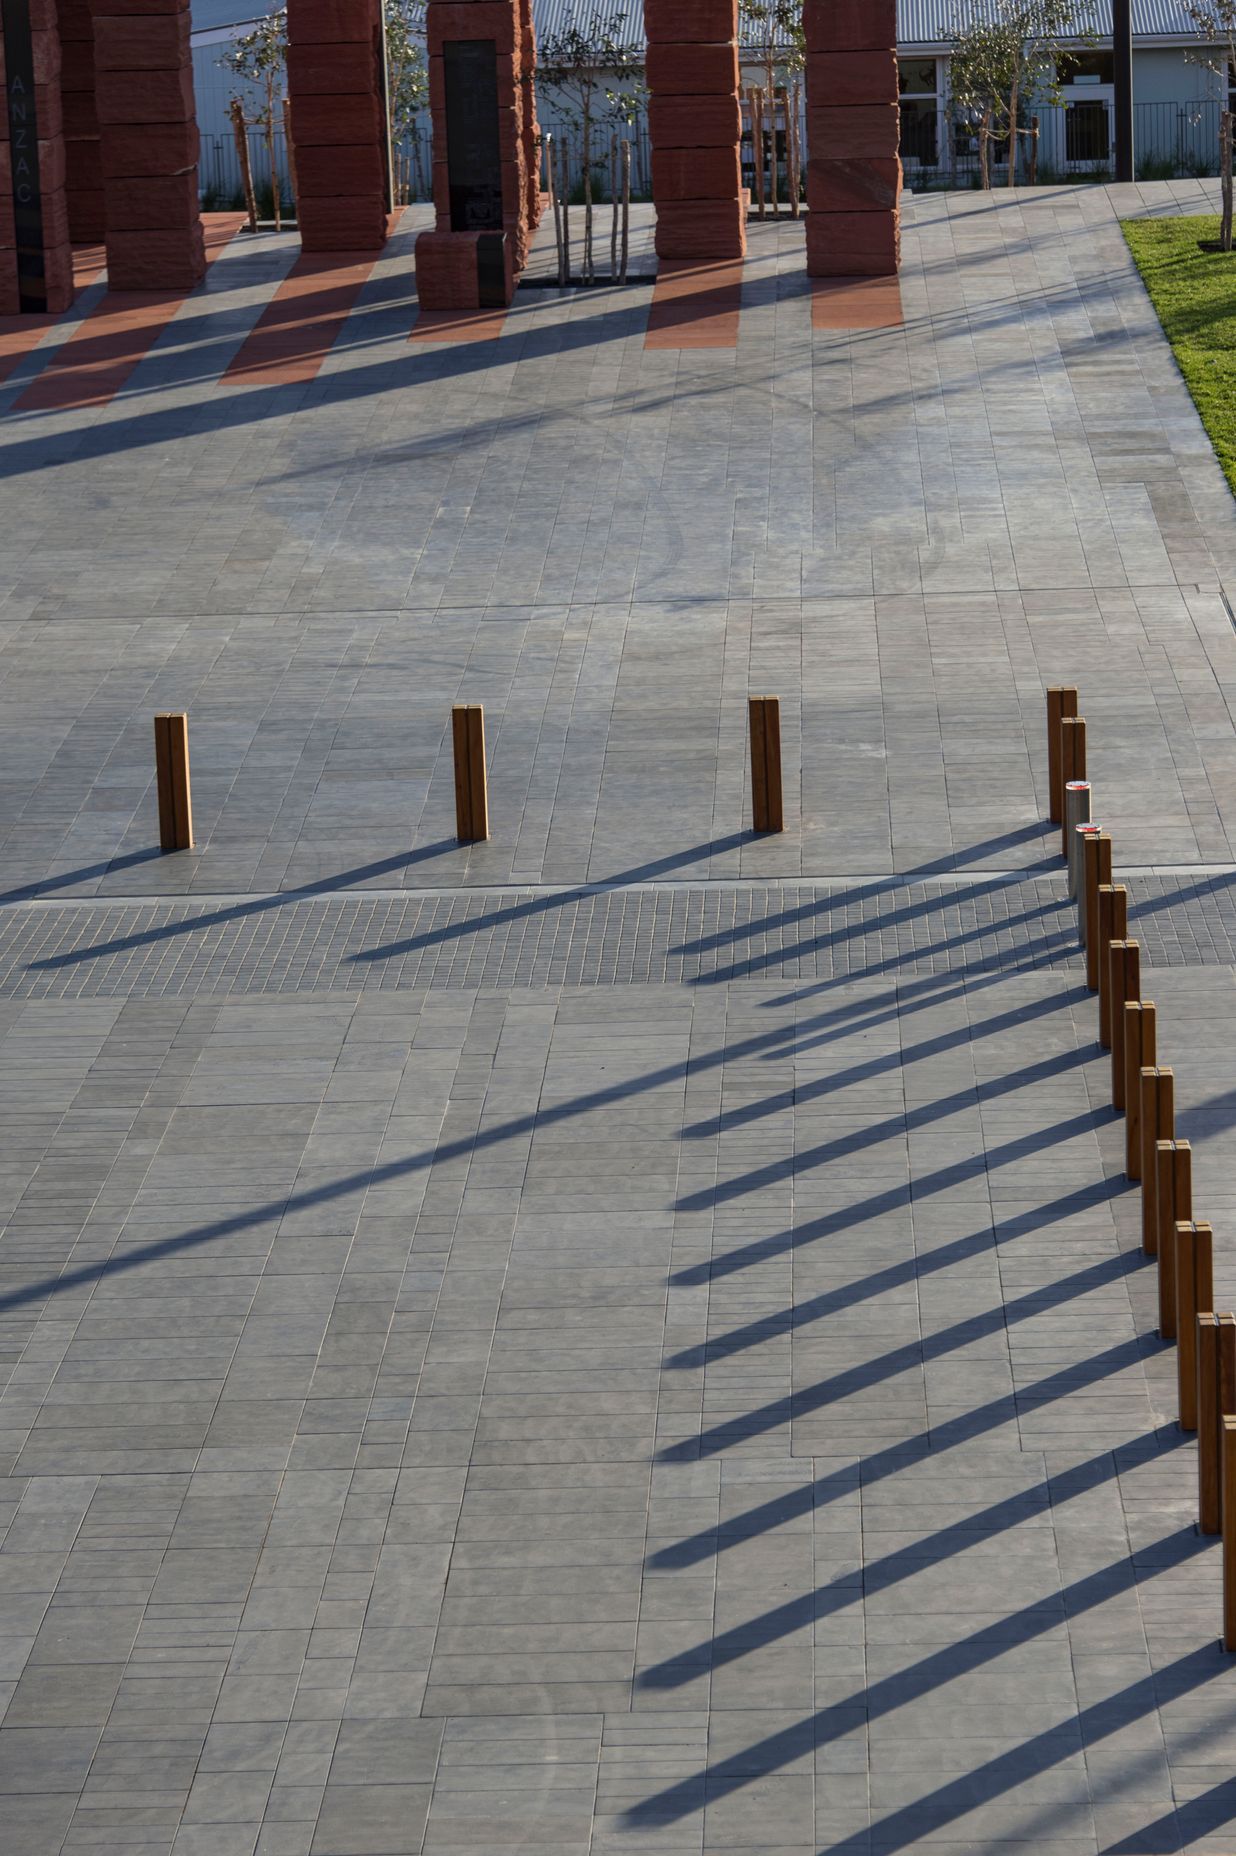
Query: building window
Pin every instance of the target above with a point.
(1088, 68)
(920, 111)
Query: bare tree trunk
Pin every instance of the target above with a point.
(240, 130)
(626, 207)
(771, 73)
(1034, 151)
(1225, 170)
(1013, 103)
(564, 188)
(555, 209)
(757, 145)
(586, 266)
(291, 147)
(985, 151)
(269, 126)
(614, 208)
(795, 155)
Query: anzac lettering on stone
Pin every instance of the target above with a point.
(473, 152)
(24, 145)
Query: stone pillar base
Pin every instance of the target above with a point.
(464, 270)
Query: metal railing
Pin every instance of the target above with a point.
(1075, 142)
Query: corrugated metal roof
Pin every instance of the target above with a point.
(933, 22)
(919, 22)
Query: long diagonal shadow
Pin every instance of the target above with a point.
(466, 1145)
(237, 911)
(945, 1436)
(987, 1781)
(914, 1353)
(801, 1093)
(880, 1575)
(1049, 943)
(876, 887)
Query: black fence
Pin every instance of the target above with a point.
(1074, 143)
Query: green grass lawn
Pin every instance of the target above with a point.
(1195, 294)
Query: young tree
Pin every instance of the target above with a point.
(596, 75)
(774, 30)
(261, 57)
(1011, 56)
(1216, 21)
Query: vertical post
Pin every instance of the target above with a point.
(1076, 815)
(1139, 1054)
(1084, 834)
(1122, 48)
(1158, 1114)
(766, 801)
(1061, 701)
(1229, 1533)
(1208, 1421)
(1126, 985)
(1113, 921)
(1098, 857)
(471, 793)
(1194, 1295)
(1174, 1202)
(172, 779)
(1072, 763)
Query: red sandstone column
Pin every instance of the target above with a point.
(530, 132)
(853, 137)
(148, 143)
(481, 58)
(36, 262)
(84, 175)
(695, 126)
(335, 82)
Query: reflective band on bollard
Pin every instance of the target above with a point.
(1076, 812)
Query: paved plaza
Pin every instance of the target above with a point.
(631, 1338)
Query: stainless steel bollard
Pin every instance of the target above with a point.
(1076, 812)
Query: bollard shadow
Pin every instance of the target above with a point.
(48, 885)
(883, 1573)
(557, 899)
(237, 911)
(985, 1783)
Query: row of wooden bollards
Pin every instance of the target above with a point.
(471, 783)
(1144, 1091)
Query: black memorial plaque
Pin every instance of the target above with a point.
(24, 147)
(473, 155)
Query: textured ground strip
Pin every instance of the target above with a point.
(477, 938)
(521, 938)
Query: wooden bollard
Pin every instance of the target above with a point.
(1229, 1533)
(1139, 1054)
(172, 778)
(471, 786)
(1174, 1202)
(1061, 701)
(1216, 1400)
(1096, 874)
(1157, 1112)
(766, 804)
(1072, 765)
(1194, 1296)
(1113, 926)
(1126, 984)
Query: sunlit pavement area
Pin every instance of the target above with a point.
(631, 1336)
